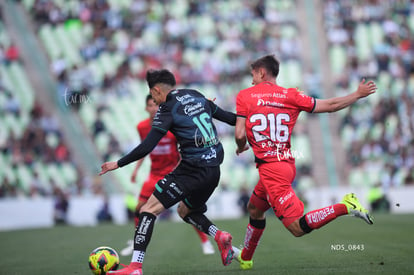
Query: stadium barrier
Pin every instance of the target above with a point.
(24, 213)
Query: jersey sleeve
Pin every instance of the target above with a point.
(222, 115)
(163, 119)
(143, 149)
(241, 107)
(303, 102)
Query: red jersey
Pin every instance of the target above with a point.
(271, 112)
(165, 156)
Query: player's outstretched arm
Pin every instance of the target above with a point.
(146, 146)
(338, 103)
(139, 152)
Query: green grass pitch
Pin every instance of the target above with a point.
(388, 248)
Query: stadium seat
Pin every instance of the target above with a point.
(87, 113)
(376, 34)
(11, 176)
(47, 36)
(392, 123)
(376, 131)
(399, 176)
(41, 169)
(411, 22)
(4, 37)
(2, 164)
(68, 173)
(101, 142)
(384, 81)
(24, 177)
(63, 39)
(76, 36)
(338, 58)
(397, 87)
(55, 175)
(97, 71)
(362, 42)
(410, 89)
(22, 87)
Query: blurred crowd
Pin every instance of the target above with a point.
(212, 43)
(199, 41)
(30, 136)
(41, 143)
(202, 42)
(378, 39)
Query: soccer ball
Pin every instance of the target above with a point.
(103, 259)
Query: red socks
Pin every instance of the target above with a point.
(251, 240)
(319, 217)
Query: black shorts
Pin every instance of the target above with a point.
(190, 184)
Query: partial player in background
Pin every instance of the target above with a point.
(266, 116)
(189, 116)
(164, 158)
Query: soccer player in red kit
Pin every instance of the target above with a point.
(164, 158)
(266, 116)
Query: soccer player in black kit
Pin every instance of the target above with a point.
(189, 116)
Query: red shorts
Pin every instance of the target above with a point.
(274, 189)
(148, 186)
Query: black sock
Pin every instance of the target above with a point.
(259, 224)
(199, 221)
(143, 231)
(304, 225)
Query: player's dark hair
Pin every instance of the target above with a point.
(149, 97)
(160, 76)
(269, 63)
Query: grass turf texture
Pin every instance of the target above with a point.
(175, 248)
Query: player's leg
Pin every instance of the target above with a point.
(130, 243)
(197, 218)
(165, 195)
(142, 236)
(205, 242)
(206, 245)
(317, 218)
(274, 178)
(256, 207)
(146, 191)
(201, 184)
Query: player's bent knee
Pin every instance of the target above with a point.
(182, 210)
(255, 212)
(153, 206)
(295, 229)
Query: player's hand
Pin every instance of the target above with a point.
(365, 89)
(108, 166)
(239, 151)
